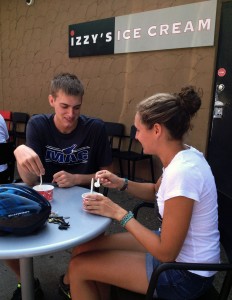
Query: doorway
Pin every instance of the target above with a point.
(220, 141)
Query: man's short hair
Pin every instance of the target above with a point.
(68, 83)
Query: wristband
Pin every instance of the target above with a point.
(126, 218)
(125, 185)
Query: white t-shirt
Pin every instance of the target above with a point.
(3, 137)
(189, 175)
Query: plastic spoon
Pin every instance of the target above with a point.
(41, 181)
(91, 190)
(97, 183)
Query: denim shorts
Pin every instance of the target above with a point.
(177, 284)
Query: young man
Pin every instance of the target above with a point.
(66, 148)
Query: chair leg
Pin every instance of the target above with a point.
(105, 191)
(128, 169)
(225, 290)
(121, 168)
(133, 170)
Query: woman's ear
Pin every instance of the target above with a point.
(157, 128)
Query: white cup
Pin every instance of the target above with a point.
(85, 196)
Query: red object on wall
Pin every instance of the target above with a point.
(221, 72)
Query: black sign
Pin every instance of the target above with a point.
(92, 38)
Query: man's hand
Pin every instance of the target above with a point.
(64, 179)
(28, 161)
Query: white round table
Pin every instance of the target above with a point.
(67, 202)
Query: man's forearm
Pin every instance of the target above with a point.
(85, 179)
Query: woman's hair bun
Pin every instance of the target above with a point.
(190, 99)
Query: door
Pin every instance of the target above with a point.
(220, 142)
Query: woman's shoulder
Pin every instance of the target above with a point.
(189, 157)
(190, 166)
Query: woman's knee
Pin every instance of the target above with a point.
(95, 244)
(74, 266)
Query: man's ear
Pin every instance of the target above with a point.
(51, 100)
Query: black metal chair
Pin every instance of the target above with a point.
(115, 132)
(7, 116)
(225, 225)
(19, 120)
(7, 157)
(132, 157)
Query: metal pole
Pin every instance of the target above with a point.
(27, 278)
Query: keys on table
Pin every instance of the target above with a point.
(56, 219)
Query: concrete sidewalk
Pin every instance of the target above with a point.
(48, 268)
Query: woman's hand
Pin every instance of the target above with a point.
(100, 205)
(110, 180)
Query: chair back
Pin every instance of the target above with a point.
(19, 120)
(7, 116)
(115, 131)
(7, 157)
(225, 223)
(133, 142)
(20, 117)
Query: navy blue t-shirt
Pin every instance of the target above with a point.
(83, 151)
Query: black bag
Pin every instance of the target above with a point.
(22, 210)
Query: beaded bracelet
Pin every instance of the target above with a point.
(126, 218)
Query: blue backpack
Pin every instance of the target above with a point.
(22, 210)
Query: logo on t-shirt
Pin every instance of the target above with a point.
(69, 155)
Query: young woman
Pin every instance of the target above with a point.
(187, 201)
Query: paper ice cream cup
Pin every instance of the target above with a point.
(45, 190)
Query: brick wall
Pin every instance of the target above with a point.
(34, 47)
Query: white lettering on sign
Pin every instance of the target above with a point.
(137, 33)
(109, 37)
(152, 31)
(126, 34)
(180, 26)
(202, 25)
(91, 38)
(86, 39)
(129, 33)
(94, 37)
(189, 27)
(176, 28)
(165, 29)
